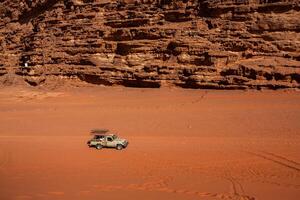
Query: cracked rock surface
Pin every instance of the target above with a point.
(218, 44)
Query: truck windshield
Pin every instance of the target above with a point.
(98, 137)
(114, 137)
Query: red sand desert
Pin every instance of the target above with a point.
(183, 144)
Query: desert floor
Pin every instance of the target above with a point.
(184, 144)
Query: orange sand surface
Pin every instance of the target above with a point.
(183, 144)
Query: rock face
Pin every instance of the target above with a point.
(221, 44)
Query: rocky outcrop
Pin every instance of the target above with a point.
(221, 44)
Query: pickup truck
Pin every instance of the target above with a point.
(101, 140)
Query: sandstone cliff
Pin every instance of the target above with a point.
(230, 44)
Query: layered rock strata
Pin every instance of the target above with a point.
(221, 44)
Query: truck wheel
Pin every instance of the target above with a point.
(98, 146)
(119, 147)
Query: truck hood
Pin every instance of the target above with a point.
(120, 140)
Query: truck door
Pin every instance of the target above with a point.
(109, 142)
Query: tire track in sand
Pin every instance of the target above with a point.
(260, 176)
(159, 186)
(237, 189)
(282, 157)
(283, 161)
